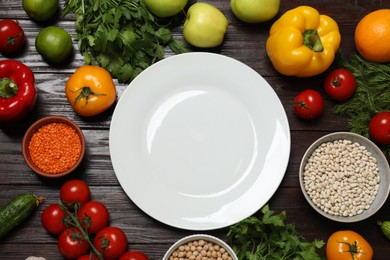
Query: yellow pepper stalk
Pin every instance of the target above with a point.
(302, 42)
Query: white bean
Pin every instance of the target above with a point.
(342, 177)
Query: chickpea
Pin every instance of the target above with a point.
(200, 249)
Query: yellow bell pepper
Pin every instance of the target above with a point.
(302, 42)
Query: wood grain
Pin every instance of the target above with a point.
(243, 42)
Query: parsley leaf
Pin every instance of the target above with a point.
(268, 237)
(122, 36)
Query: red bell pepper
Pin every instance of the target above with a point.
(17, 90)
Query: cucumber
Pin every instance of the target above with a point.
(17, 210)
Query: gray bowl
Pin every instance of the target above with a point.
(196, 237)
(383, 188)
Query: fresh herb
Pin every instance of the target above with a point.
(371, 97)
(268, 237)
(122, 36)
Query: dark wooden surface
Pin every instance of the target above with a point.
(243, 42)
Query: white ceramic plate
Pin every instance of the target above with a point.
(199, 141)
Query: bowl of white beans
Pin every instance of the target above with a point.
(200, 246)
(345, 177)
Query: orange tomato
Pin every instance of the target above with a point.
(348, 245)
(90, 90)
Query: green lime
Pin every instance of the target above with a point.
(40, 10)
(54, 44)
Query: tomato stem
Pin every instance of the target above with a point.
(11, 41)
(74, 221)
(85, 93)
(336, 81)
(353, 248)
(302, 103)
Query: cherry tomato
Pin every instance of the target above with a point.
(88, 257)
(340, 84)
(347, 245)
(95, 214)
(112, 241)
(134, 255)
(11, 36)
(308, 104)
(52, 219)
(75, 191)
(380, 128)
(71, 247)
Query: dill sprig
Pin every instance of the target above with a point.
(371, 97)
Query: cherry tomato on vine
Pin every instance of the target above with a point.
(340, 84)
(88, 257)
(112, 241)
(75, 191)
(347, 245)
(11, 36)
(308, 104)
(380, 128)
(134, 255)
(70, 246)
(52, 219)
(95, 214)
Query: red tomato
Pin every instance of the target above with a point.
(134, 255)
(95, 214)
(112, 241)
(11, 36)
(340, 84)
(70, 246)
(75, 191)
(88, 257)
(380, 128)
(308, 104)
(52, 219)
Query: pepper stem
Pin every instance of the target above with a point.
(8, 88)
(312, 40)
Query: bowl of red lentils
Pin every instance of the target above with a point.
(345, 177)
(53, 146)
(200, 246)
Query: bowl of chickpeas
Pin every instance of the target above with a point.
(200, 246)
(53, 146)
(345, 177)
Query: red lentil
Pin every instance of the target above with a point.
(55, 148)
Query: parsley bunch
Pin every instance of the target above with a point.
(267, 237)
(122, 36)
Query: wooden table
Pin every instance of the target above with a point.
(245, 43)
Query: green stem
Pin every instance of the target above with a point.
(312, 40)
(85, 93)
(8, 88)
(76, 223)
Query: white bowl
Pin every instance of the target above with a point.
(197, 237)
(378, 200)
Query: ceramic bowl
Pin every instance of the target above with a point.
(199, 237)
(38, 125)
(332, 207)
